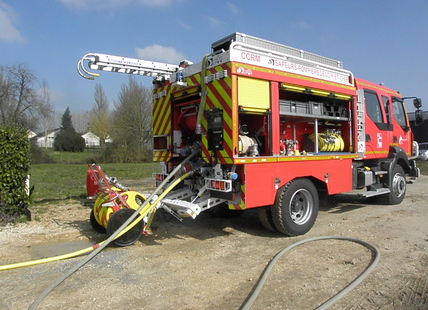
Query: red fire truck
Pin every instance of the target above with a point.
(274, 128)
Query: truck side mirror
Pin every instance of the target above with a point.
(419, 117)
(417, 103)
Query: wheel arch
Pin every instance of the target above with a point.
(398, 156)
(320, 185)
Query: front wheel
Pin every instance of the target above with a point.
(296, 207)
(398, 186)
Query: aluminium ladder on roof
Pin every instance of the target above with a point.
(225, 42)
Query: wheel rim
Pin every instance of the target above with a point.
(398, 185)
(301, 206)
(116, 220)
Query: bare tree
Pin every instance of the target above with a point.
(99, 123)
(18, 100)
(81, 121)
(45, 109)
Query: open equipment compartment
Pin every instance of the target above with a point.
(304, 116)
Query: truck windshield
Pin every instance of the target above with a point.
(399, 112)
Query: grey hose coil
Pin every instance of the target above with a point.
(256, 290)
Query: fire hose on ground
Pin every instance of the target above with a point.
(142, 211)
(146, 208)
(256, 290)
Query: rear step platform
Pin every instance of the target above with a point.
(377, 192)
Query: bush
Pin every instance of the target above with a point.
(14, 168)
(39, 155)
(124, 153)
(68, 140)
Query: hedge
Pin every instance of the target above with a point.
(14, 170)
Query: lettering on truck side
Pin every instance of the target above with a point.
(289, 66)
(250, 56)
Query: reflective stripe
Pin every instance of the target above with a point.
(219, 95)
(162, 114)
(241, 205)
(315, 91)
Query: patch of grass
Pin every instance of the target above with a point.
(131, 171)
(423, 165)
(73, 157)
(55, 183)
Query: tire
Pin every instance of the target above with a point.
(95, 225)
(116, 220)
(265, 217)
(296, 207)
(398, 186)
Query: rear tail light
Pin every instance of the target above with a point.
(219, 185)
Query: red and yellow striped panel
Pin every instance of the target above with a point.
(219, 96)
(241, 205)
(162, 119)
(161, 155)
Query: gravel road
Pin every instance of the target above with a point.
(213, 263)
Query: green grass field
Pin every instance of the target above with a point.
(60, 182)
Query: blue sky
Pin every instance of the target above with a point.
(381, 41)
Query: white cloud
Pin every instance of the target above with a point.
(184, 25)
(160, 53)
(232, 8)
(302, 25)
(215, 22)
(8, 19)
(158, 3)
(102, 4)
(77, 4)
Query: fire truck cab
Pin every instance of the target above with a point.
(276, 128)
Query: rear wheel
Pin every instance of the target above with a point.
(296, 207)
(265, 217)
(95, 225)
(116, 220)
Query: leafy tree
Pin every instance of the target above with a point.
(68, 139)
(66, 122)
(99, 123)
(131, 130)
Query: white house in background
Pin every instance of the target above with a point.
(91, 140)
(31, 134)
(47, 141)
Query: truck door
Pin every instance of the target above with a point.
(378, 125)
(401, 133)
